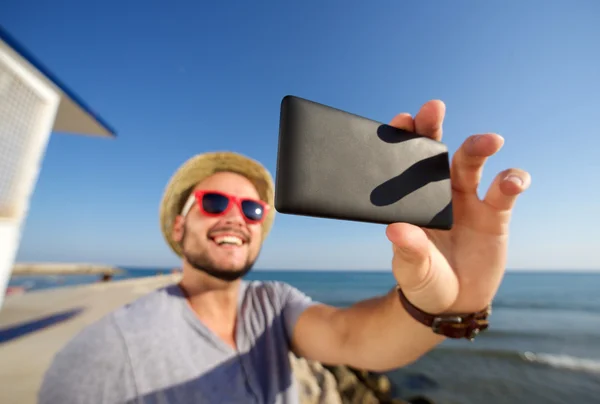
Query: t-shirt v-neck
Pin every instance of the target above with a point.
(197, 324)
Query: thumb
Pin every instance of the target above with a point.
(411, 264)
(420, 269)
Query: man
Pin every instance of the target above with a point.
(215, 338)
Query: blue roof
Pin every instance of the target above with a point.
(24, 53)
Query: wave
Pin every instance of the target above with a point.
(557, 361)
(563, 361)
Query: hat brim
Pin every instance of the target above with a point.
(202, 166)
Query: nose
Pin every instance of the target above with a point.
(235, 215)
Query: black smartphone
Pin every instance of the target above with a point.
(338, 165)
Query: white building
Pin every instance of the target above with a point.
(33, 104)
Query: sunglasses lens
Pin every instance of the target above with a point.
(252, 210)
(214, 203)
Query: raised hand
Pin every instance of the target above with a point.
(458, 270)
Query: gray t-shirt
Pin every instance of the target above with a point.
(155, 350)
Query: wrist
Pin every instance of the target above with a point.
(451, 324)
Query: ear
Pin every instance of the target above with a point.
(178, 227)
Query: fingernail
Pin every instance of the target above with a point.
(515, 179)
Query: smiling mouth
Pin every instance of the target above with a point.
(228, 240)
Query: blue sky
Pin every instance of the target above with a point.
(190, 77)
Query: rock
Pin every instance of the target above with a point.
(320, 384)
(362, 387)
(316, 384)
(350, 387)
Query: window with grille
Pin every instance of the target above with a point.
(28, 107)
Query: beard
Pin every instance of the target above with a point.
(202, 262)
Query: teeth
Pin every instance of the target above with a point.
(228, 240)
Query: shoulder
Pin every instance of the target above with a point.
(279, 298)
(275, 288)
(97, 339)
(148, 310)
(276, 292)
(98, 355)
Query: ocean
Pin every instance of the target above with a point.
(543, 345)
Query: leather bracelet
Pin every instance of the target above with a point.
(454, 326)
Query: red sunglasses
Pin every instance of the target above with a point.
(217, 203)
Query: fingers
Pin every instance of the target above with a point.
(403, 121)
(467, 167)
(506, 187)
(468, 161)
(420, 269)
(428, 121)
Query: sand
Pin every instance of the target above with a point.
(25, 359)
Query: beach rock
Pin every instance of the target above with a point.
(351, 388)
(357, 386)
(320, 384)
(316, 384)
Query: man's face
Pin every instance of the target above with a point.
(201, 236)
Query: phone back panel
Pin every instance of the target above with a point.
(334, 164)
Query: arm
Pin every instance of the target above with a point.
(92, 368)
(375, 334)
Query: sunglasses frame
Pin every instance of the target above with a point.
(233, 200)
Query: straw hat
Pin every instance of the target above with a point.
(202, 166)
